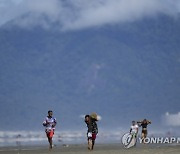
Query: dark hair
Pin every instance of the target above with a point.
(87, 115)
(50, 111)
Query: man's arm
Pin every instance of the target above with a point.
(139, 122)
(130, 130)
(149, 122)
(55, 122)
(45, 122)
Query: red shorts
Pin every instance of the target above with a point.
(93, 136)
(50, 133)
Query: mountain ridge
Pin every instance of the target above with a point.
(123, 72)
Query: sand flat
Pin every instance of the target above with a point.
(99, 149)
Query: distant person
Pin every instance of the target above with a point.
(129, 139)
(18, 140)
(134, 129)
(92, 131)
(49, 123)
(144, 125)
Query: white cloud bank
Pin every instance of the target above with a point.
(78, 14)
(171, 119)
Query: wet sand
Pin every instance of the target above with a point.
(99, 149)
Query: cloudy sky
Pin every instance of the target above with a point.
(171, 119)
(78, 14)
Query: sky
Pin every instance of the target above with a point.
(79, 14)
(171, 119)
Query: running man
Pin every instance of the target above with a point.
(129, 139)
(144, 125)
(49, 123)
(92, 131)
(134, 129)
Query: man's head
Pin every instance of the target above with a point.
(145, 120)
(86, 118)
(133, 122)
(50, 113)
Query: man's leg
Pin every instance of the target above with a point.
(93, 142)
(50, 142)
(90, 144)
(142, 137)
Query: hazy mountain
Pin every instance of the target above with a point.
(123, 72)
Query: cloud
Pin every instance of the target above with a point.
(78, 14)
(171, 119)
(30, 12)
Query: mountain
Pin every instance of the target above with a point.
(123, 72)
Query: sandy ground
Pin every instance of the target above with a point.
(99, 149)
